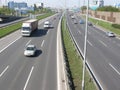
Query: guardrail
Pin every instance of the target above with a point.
(87, 64)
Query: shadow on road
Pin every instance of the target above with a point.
(38, 53)
(39, 33)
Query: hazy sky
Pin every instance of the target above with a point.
(61, 3)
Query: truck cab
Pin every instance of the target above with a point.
(26, 29)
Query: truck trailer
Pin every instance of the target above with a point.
(29, 26)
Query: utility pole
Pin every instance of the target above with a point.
(85, 48)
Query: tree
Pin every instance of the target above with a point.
(6, 11)
(108, 8)
(83, 8)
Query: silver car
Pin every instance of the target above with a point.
(110, 34)
(30, 50)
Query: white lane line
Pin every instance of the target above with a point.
(28, 42)
(79, 32)
(42, 43)
(103, 43)
(4, 71)
(96, 31)
(28, 78)
(89, 43)
(89, 32)
(10, 44)
(47, 31)
(114, 68)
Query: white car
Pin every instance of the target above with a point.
(110, 34)
(47, 24)
(30, 50)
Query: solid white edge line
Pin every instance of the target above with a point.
(114, 68)
(9, 44)
(42, 43)
(4, 71)
(28, 78)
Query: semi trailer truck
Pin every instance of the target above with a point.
(29, 26)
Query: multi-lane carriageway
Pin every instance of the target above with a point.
(40, 72)
(103, 53)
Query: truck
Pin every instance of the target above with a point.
(29, 26)
(47, 24)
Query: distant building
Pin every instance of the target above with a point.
(13, 5)
(20, 7)
(96, 4)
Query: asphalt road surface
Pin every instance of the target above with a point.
(103, 53)
(18, 72)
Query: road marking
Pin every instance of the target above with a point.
(89, 32)
(10, 44)
(103, 43)
(4, 71)
(96, 31)
(28, 78)
(47, 31)
(79, 32)
(42, 43)
(89, 43)
(114, 68)
(28, 42)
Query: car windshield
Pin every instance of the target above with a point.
(30, 48)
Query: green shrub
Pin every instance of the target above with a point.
(116, 26)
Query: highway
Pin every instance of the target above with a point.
(18, 72)
(103, 53)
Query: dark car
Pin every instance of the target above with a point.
(90, 24)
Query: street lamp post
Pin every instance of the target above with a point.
(85, 48)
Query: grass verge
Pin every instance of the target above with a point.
(44, 16)
(11, 28)
(75, 62)
(106, 25)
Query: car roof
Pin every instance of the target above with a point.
(109, 32)
(31, 46)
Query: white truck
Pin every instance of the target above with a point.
(47, 24)
(29, 26)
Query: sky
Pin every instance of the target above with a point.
(60, 3)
